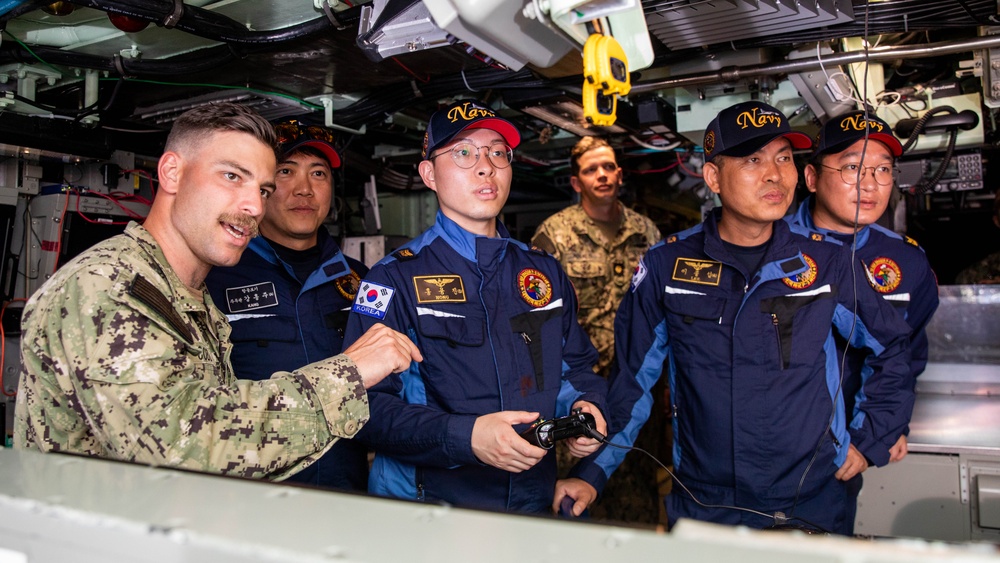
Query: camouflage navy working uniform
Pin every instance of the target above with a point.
(120, 360)
(601, 271)
(985, 271)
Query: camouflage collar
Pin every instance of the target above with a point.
(168, 282)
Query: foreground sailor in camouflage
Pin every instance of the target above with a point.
(125, 356)
(599, 242)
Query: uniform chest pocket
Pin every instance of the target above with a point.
(530, 326)
(589, 278)
(787, 310)
(585, 269)
(689, 308)
(455, 330)
(264, 330)
(694, 323)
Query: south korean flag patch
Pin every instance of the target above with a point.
(373, 299)
(639, 275)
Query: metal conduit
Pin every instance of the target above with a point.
(732, 74)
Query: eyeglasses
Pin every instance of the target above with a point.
(849, 173)
(294, 131)
(466, 155)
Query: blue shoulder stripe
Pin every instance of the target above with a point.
(423, 240)
(886, 232)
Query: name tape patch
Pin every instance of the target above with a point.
(443, 287)
(249, 297)
(705, 272)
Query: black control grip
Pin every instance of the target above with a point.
(545, 433)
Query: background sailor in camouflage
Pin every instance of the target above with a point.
(987, 270)
(125, 356)
(599, 242)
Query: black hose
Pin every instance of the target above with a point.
(926, 185)
(918, 127)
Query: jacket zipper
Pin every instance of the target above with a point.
(419, 474)
(777, 335)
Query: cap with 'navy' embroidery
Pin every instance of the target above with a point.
(467, 114)
(844, 130)
(741, 129)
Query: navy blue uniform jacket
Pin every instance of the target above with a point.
(280, 324)
(752, 365)
(496, 324)
(898, 270)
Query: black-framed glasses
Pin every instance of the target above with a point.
(293, 131)
(466, 155)
(882, 173)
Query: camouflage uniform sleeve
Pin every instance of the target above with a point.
(985, 271)
(654, 235)
(103, 376)
(543, 241)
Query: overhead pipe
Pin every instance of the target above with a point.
(199, 61)
(878, 54)
(211, 25)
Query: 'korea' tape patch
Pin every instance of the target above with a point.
(373, 299)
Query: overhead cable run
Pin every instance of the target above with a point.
(201, 22)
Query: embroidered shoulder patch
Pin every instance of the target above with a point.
(884, 274)
(806, 278)
(347, 286)
(694, 270)
(535, 288)
(404, 254)
(443, 287)
(373, 299)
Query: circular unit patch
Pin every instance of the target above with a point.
(709, 144)
(884, 274)
(806, 278)
(535, 287)
(347, 286)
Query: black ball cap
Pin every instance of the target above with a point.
(459, 116)
(742, 129)
(844, 130)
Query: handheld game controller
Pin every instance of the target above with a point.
(545, 433)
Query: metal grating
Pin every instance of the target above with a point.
(684, 24)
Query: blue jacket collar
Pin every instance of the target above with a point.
(463, 241)
(334, 264)
(780, 250)
(804, 218)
